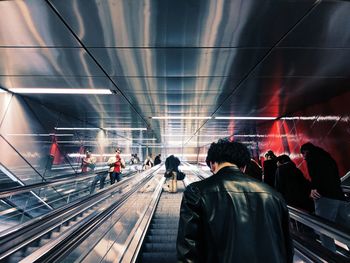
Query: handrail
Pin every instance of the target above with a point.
(346, 188)
(12, 238)
(26, 188)
(134, 246)
(321, 225)
(57, 249)
(315, 252)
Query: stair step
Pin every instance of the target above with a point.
(158, 257)
(160, 231)
(159, 247)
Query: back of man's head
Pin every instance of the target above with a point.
(307, 147)
(283, 159)
(226, 151)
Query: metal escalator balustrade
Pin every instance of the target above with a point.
(78, 245)
(36, 200)
(68, 192)
(147, 240)
(19, 242)
(160, 242)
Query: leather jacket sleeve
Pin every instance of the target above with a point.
(189, 233)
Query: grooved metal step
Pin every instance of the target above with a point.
(160, 242)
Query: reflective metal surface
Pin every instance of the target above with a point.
(168, 58)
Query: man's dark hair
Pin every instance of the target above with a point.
(283, 159)
(270, 154)
(307, 147)
(226, 151)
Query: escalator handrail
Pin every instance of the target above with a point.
(314, 251)
(346, 188)
(11, 239)
(14, 232)
(63, 245)
(133, 248)
(27, 188)
(321, 225)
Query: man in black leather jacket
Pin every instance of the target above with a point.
(231, 217)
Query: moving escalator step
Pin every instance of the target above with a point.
(160, 239)
(159, 231)
(159, 247)
(158, 257)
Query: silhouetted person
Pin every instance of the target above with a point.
(157, 160)
(325, 185)
(292, 184)
(172, 169)
(254, 170)
(270, 166)
(231, 217)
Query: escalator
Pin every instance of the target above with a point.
(137, 223)
(54, 229)
(160, 241)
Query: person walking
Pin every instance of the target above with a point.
(326, 191)
(231, 217)
(116, 164)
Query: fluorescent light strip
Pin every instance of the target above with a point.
(41, 134)
(145, 139)
(176, 135)
(93, 129)
(75, 129)
(245, 118)
(180, 118)
(125, 129)
(59, 91)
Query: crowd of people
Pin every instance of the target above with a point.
(115, 166)
(244, 201)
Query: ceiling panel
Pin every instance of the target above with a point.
(83, 106)
(32, 23)
(316, 62)
(268, 96)
(181, 23)
(175, 85)
(327, 26)
(177, 62)
(47, 61)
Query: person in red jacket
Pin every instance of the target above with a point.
(116, 164)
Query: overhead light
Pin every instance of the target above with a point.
(93, 128)
(245, 118)
(40, 134)
(180, 118)
(2, 91)
(59, 91)
(213, 135)
(145, 139)
(75, 128)
(176, 135)
(125, 129)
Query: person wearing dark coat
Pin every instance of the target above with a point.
(325, 187)
(172, 169)
(172, 163)
(157, 160)
(231, 217)
(270, 167)
(254, 170)
(292, 184)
